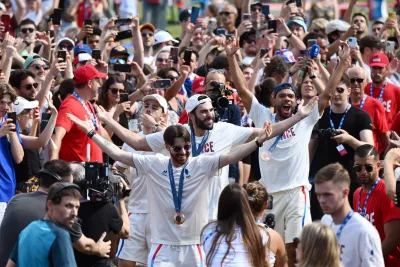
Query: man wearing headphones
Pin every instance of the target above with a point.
(26, 208)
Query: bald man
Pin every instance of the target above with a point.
(228, 16)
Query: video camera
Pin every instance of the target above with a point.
(219, 95)
(324, 133)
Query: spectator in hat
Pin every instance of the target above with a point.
(228, 16)
(361, 21)
(147, 31)
(82, 48)
(119, 55)
(65, 44)
(377, 26)
(81, 60)
(248, 42)
(337, 31)
(297, 26)
(38, 65)
(318, 26)
(93, 40)
(162, 39)
(256, 12)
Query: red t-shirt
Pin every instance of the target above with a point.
(74, 143)
(380, 210)
(396, 124)
(391, 100)
(376, 111)
(84, 12)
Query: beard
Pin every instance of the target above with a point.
(202, 125)
(366, 180)
(178, 157)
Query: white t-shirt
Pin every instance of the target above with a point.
(137, 202)
(360, 244)
(222, 138)
(237, 256)
(289, 165)
(198, 173)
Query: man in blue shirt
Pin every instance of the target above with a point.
(46, 242)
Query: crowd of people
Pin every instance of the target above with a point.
(254, 138)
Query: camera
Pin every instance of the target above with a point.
(270, 220)
(324, 133)
(219, 95)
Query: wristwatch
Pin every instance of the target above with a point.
(313, 76)
(154, 128)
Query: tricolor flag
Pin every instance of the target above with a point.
(378, 9)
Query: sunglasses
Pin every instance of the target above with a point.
(358, 80)
(173, 78)
(225, 13)
(254, 9)
(94, 41)
(68, 47)
(251, 41)
(340, 90)
(162, 60)
(38, 66)
(179, 148)
(117, 61)
(358, 168)
(147, 34)
(25, 30)
(114, 91)
(30, 86)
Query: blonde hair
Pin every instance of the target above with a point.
(319, 246)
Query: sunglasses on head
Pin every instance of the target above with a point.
(340, 90)
(68, 47)
(225, 13)
(38, 66)
(114, 91)
(147, 34)
(358, 168)
(117, 61)
(30, 86)
(179, 148)
(25, 30)
(358, 80)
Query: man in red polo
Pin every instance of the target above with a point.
(71, 142)
(382, 90)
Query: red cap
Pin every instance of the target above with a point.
(379, 60)
(198, 85)
(87, 73)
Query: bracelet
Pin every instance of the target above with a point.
(290, 35)
(258, 143)
(90, 134)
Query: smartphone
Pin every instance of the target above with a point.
(91, 171)
(122, 67)
(5, 19)
(212, 24)
(174, 53)
(263, 51)
(123, 35)
(352, 41)
(57, 16)
(390, 46)
(96, 54)
(45, 119)
(121, 22)
(123, 97)
(162, 84)
(392, 15)
(311, 42)
(13, 116)
(221, 31)
(62, 54)
(398, 193)
(187, 57)
(304, 53)
(51, 33)
(270, 202)
(265, 11)
(246, 16)
(272, 24)
(298, 3)
(195, 14)
(88, 22)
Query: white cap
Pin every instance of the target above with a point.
(337, 25)
(163, 36)
(67, 40)
(161, 101)
(21, 104)
(194, 101)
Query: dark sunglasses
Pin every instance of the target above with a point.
(25, 30)
(94, 41)
(179, 148)
(38, 66)
(340, 90)
(68, 47)
(173, 78)
(358, 168)
(162, 59)
(254, 9)
(149, 34)
(30, 86)
(251, 41)
(225, 13)
(114, 91)
(358, 80)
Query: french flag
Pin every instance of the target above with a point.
(378, 9)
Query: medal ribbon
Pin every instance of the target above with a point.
(363, 101)
(91, 115)
(196, 150)
(259, 221)
(366, 200)
(272, 148)
(341, 121)
(346, 220)
(371, 93)
(176, 196)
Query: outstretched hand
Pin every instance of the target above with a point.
(232, 45)
(266, 134)
(102, 114)
(305, 110)
(85, 125)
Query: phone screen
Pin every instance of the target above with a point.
(174, 54)
(62, 54)
(96, 54)
(123, 35)
(272, 25)
(123, 98)
(13, 116)
(122, 67)
(265, 11)
(91, 171)
(162, 84)
(57, 16)
(187, 57)
(195, 14)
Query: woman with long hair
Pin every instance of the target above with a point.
(318, 247)
(258, 201)
(235, 239)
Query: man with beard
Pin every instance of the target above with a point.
(372, 202)
(23, 81)
(207, 137)
(360, 20)
(381, 89)
(374, 108)
(147, 31)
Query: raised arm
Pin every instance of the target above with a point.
(137, 42)
(349, 11)
(57, 67)
(173, 90)
(392, 161)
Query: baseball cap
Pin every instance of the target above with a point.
(283, 86)
(256, 3)
(86, 73)
(81, 57)
(336, 25)
(147, 26)
(245, 36)
(196, 100)
(33, 57)
(163, 36)
(379, 60)
(161, 101)
(287, 55)
(299, 22)
(58, 187)
(66, 39)
(118, 50)
(82, 48)
(317, 24)
(21, 104)
(198, 84)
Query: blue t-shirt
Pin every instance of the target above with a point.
(42, 243)
(7, 173)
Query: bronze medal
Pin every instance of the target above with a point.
(179, 218)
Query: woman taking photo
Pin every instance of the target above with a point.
(235, 239)
(258, 201)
